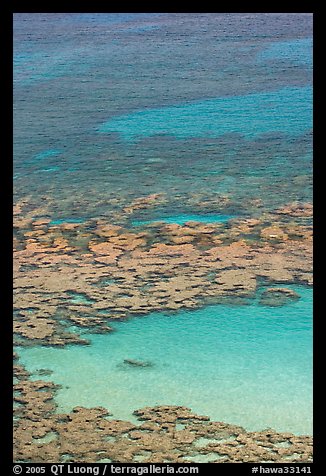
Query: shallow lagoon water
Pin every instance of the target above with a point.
(249, 365)
(182, 219)
(250, 115)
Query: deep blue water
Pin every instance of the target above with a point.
(132, 104)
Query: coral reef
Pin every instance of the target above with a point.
(162, 267)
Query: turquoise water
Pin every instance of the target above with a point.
(297, 51)
(250, 115)
(47, 153)
(249, 365)
(60, 221)
(182, 219)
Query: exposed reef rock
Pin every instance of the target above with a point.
(163, 267)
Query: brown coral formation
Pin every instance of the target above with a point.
(119, 272)
(142, 203)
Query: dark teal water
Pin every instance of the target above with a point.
(109, 105)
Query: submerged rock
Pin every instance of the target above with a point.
(278, 297)
(137, 363)
(44, 372)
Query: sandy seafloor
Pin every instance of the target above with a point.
(163, 237)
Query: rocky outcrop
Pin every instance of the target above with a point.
(165, 267)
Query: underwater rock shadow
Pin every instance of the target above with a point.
(135, 364)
